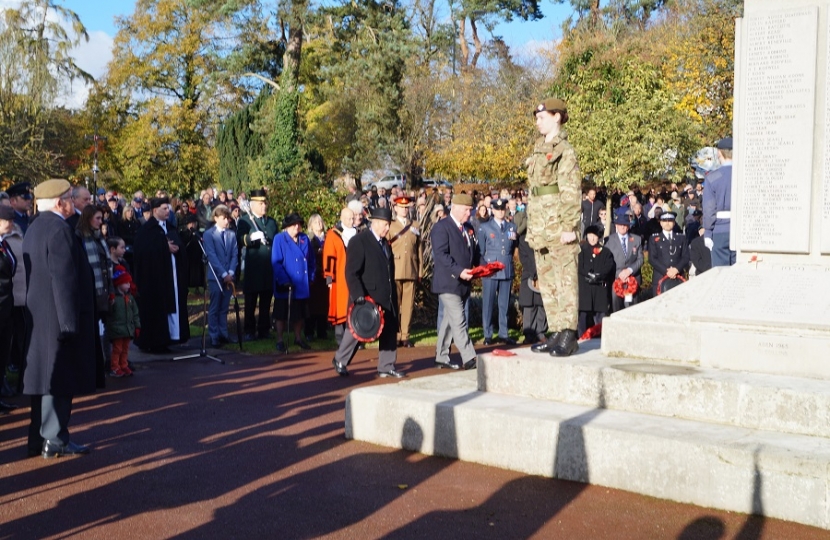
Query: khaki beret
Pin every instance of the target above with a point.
(463, 199)
(52, 189)
(553, 105)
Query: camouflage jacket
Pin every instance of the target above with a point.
(554, 182)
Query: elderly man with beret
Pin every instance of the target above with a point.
(61, 298)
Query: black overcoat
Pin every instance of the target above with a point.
(153, 275)
(61, 301)
(595, 297)
(371, 272)
(259, 274)
(8, 265)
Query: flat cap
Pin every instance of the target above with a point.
(724, 144)
(52, 189)
(155, 202)
(463, 199)
(6, 212)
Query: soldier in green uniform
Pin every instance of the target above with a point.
(553, 219)
(255, 232)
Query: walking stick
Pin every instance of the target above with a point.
(238, 318)
(288, 317)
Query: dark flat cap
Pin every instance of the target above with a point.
(6, 212)
(155, 202)
(724, 144)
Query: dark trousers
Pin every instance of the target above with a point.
(49, 420)
(618, 303)
(534, 322)
(387, 343)
(587, 319)
(261, 327)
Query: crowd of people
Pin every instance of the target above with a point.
(83, 276)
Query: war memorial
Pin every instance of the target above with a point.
(715, 393)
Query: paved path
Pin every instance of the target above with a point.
(254, 448)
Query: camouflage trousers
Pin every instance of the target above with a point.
(556, 269)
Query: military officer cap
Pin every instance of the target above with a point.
(292, 219)
(499, 204)
(403, 201)
(257, 195)
(381, 213)
(724, 144)
(52, 189)
(155, 202)
(462, 199)
(668, 216)
(22, 189)
(6, 212)
(553, 105)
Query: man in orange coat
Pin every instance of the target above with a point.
(334, 270)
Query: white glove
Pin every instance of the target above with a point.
(708, 243)
(259, 235)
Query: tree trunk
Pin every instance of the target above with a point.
(476, 43)
(462, 43)
(294, 44)
(594, 13)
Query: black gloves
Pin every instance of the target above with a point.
(359, 300)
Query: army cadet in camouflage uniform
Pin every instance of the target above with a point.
(553, 219)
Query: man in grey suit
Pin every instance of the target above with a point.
(628, 256)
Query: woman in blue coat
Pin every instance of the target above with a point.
(293, 261)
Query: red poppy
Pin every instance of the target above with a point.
(597, 250)
(549, 156)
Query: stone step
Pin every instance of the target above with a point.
(750, 400)
(727, 467)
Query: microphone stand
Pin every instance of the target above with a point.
(203, 351)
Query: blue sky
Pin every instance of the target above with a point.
(99, 17)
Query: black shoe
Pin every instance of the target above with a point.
(281, 348)
(507, 340)
(391, 373)
(547, 345)
(406, 343)
(302, 344)
(448, 365)
(470, 364)
(566, 345)
(341, 370)
(489, 341)
(52, 450)
(8, 406)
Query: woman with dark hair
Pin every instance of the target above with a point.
(128, 225)
(181, 215)
(596, 273)
(482, 215)
(95, 247)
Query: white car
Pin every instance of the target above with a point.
(433, 183)
(388, 182)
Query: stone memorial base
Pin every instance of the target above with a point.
(745, 442)
(765, 318)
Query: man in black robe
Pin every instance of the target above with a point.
(160, 274)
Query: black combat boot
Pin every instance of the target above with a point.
(566, 345)
(546, 346)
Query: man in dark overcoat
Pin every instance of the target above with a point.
(61, 299)
(534, 320)
(160, 274)
(370, 271)
(255, 232)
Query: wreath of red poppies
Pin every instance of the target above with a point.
(623, 288)
(664, 278)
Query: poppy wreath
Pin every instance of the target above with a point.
(629, 286)
(664, 278)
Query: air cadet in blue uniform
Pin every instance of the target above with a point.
(20, 198)
(717, 206)
(497, 241)
(668, 252)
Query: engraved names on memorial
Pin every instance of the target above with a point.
(776, 146)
